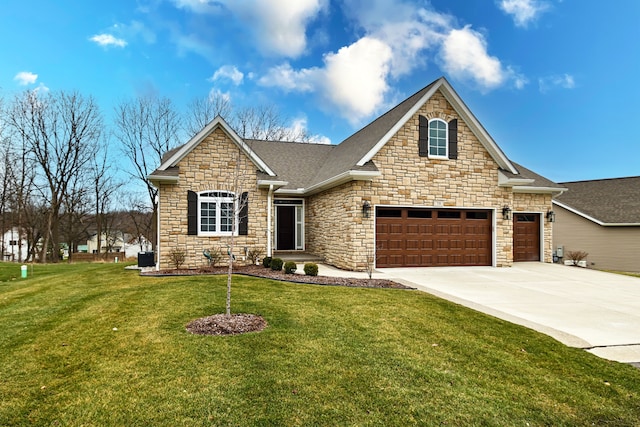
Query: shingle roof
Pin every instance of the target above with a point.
(609, 201)
(355, 147)
(538, 180)
(293, 162)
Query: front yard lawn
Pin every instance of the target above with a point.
(95, 345)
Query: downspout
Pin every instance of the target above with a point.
(158, 231)
(269, 207)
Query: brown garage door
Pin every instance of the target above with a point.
(526, 237)
(412, 237)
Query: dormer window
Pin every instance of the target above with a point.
(438, 138)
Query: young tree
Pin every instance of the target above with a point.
(60, 131)
(147, 127)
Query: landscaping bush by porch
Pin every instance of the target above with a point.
(93, 344)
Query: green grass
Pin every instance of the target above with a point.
(330, 356)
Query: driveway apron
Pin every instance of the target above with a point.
(583, 308)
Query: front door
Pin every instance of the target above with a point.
(526, 237)
(286, 227)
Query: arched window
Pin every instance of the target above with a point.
(438, 138)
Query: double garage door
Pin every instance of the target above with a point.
(414, 237)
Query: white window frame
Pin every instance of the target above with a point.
(218, 199)
(446, 140)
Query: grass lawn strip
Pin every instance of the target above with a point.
(330, 356)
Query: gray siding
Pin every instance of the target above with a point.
(609, 248)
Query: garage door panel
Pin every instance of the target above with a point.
(430, 237)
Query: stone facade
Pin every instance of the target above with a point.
(211, 165)
(337, 230)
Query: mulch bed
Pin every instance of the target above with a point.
(221, 324)
(267, 273)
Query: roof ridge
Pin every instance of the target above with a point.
(600, 179)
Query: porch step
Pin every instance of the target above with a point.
(297, 256)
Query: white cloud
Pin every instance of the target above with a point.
(25, 78)
(353, 80)
(288, 79)
(523, 11)
(464, 55)
(299, 127)
(564, 81)
(228, 72)
(356, 77)
(279, 25)
(108, 40)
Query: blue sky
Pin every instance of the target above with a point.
(555, 82)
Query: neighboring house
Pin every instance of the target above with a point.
(118, 242)
(602, 218)
(14, 245)
(422, 185)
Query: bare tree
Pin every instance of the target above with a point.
(265, 123)
(147, 127)
(201, 111)
(103, 187)
(60, 131)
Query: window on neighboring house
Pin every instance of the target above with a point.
(213, 213)
(437, 138)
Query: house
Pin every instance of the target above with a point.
(422, 185)
(602, 218)
(117, 241)
(14, 245)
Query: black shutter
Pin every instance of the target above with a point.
(423, 137)
(192, 213)
(453, 139)
(243, 225)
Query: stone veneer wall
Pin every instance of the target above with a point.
(337, 231)
(210, 166)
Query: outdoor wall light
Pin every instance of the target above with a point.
(506, 212)
(366, 209)
(551, 216)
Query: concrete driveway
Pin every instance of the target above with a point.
(589, 309)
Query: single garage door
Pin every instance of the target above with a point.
(414, 237)
(526, 237)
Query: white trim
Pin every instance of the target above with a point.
(592, 219)
(532, 189)
(162, 178)
(266, 183)
(465, 114)
(269, 214)
(446, 140)
(158, 232)
(347, 176)
(295, 222)
(218, 200)
(505, 181)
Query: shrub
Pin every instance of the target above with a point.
(266, 262)
(254, 254)
(177, 258)
(311, 269)
(276, 264)
(214, 256)
(290, 267)
(576, 256)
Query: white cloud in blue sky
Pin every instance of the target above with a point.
(562, 81)
(25, 78)
(108, 40)
(523, 11)
(228, 72)
(340, 64)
